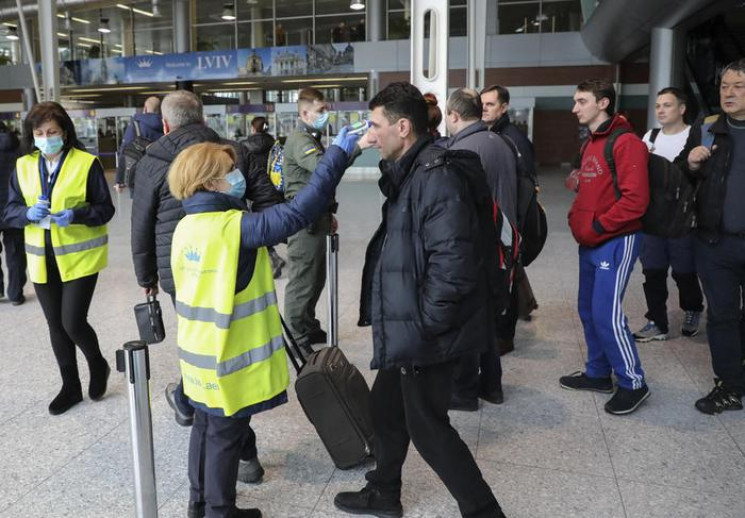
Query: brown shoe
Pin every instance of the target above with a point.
(505, 345)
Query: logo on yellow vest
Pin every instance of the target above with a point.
(192, 255)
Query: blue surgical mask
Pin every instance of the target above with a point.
(49, 145)
(321, 120)
(237, 183)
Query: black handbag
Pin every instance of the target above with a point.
(150, 321)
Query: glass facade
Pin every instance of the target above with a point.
(537, 16)
(144, 27)
(398, 19)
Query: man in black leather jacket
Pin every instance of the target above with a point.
(424, 290)
(714, 155)
(155, 214)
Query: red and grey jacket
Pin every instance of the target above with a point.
(597, 213)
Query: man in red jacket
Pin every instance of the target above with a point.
(605, 219)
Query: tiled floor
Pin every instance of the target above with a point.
(546, 452)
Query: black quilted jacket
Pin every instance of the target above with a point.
(155, 213)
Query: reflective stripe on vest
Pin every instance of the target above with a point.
(234, 364)
(222, 320)
(79, 250)
(231, 348)
(70, 249)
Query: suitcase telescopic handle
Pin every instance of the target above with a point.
(332, 279)
(293, 350)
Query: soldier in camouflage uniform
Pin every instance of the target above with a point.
(306, 250)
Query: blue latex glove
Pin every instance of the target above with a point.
(346, 141)
(63, 218)
(37, 212)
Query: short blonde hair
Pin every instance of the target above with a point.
(198, 165)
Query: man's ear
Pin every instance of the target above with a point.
(404, 127)
(166, 127)
(604, 103)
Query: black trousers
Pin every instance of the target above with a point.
(655, 291)
(412, 406)
(65, 306)
(214, 451)
(721, 269)
(478, 373)
(15, 261)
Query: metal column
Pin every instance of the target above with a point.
(476, 43)
(181, 26)
(661, 68)
(432, 53)
(134, 360)
(49, 50)
(375, 20)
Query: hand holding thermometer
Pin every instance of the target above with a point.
(358, 128)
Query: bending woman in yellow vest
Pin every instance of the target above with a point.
(230, 342)
(59, 196)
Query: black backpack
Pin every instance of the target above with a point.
(132, 153)
(531, 216)
(500, 240)
(671, 194)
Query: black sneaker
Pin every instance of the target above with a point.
(463, 404)
(369, 501)
(317, 336)
(580, 381)
(181, 417)
(719, 400)
(494, 396)
(250, 471)
(244, 513)
(625, 401)
(195, 510)
(18, 301)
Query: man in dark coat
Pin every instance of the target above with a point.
(495, 100)
(155, 214)
(151, 127)
(15, 256)
(714, 155)
(258, 145)
(425, 292)
(463, 118)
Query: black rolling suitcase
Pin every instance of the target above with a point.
(332, 392)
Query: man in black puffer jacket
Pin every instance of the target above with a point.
(155, 214)
(15, 256)
(426, 293)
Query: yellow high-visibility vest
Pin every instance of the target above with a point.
(80, 250)
(231, 348)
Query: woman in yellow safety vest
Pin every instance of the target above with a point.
(230, 341)
(59, 196)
